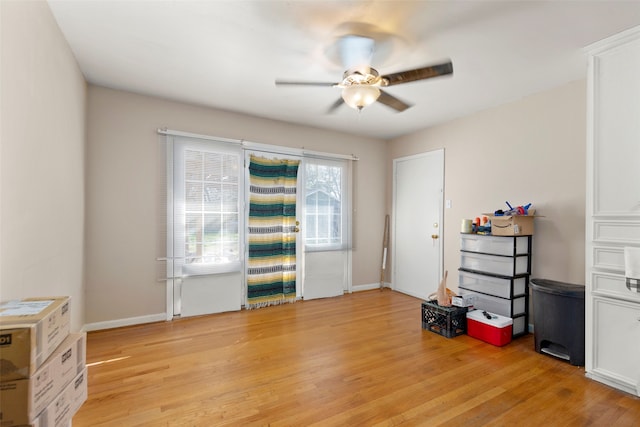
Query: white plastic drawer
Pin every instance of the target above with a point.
(505, 266)
(503, 288)
(495, 245)
(501, 306)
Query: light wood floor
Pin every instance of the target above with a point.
(358, 360)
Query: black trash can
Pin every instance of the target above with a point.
(558, 319)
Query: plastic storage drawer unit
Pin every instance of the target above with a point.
(496, 271)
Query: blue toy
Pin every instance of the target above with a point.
(518, 210)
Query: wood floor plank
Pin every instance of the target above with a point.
(361, 359)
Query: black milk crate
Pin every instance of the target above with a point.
(446, 321)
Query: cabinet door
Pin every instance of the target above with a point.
(616, 152)
(616, 344)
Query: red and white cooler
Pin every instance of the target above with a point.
(489, 327)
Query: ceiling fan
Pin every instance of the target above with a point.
(361, 84)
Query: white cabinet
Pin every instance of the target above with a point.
(616, 325)
(612, 353)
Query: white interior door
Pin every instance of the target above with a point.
(417, 223)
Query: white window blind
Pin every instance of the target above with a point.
(210, 186)
(205, 219)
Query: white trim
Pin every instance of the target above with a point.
(257, 146)
(119, 323)
(602, 46)
(350, 271)
(168, 145)
(206, 269)
(369, 287)
(613, 380)
(170, 132)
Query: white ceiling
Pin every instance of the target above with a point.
(227, 54)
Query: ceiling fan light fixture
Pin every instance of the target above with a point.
(360, 96)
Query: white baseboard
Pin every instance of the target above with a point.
(119, 323)
(368, 287)
(160, 317)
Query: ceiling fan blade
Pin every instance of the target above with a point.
(418, 74)
(335, 106)
(295, 83)
(393, 102)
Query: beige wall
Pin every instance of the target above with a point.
(122, 163)
(531, 150)
(42, 159)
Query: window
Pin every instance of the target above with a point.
(206, 217)
(326, 204)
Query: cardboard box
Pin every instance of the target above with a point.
(22, 400)
(463, 300)
(516, 225)
(30, 330)
(60, 412)
(497, 330)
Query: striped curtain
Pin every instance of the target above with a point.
(271, 275)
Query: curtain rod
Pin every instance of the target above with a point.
(257, 146)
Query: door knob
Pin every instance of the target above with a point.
(434, 236)
(296, 229)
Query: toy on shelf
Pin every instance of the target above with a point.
(518, 210)
(482, 225)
